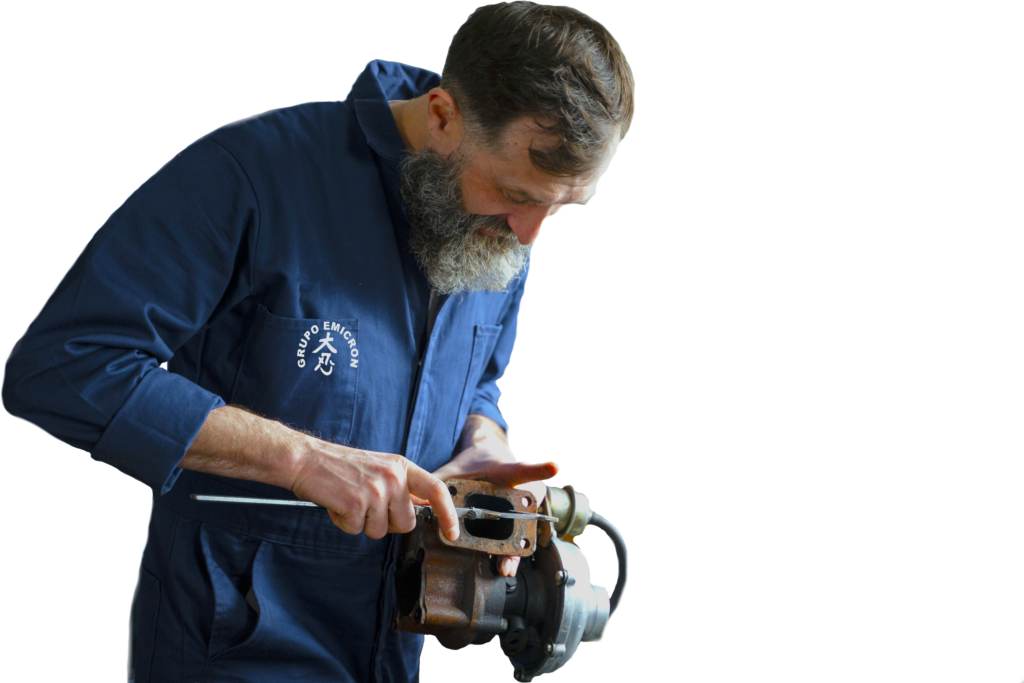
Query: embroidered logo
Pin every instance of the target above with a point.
(328, 341)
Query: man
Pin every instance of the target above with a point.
(335, 288)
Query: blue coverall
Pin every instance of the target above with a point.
(268, 265)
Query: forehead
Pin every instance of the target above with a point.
(507, 164)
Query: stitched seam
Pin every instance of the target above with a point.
(259, 213)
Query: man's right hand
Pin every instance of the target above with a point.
(368, 492)
(363, 491)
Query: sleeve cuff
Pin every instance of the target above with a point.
(150, 433)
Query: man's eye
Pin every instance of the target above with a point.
(516, 201)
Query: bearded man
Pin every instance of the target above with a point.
(334, 288)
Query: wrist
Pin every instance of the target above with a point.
(293, 453)
(479, 431)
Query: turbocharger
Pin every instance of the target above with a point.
(452, 589)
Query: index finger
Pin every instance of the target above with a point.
(426, 485)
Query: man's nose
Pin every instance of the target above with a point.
(526, 222)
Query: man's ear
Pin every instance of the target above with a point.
(444, 121)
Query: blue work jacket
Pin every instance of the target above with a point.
(268, 265)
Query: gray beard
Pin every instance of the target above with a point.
(454, 256)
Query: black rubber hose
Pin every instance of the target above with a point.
(620, 550)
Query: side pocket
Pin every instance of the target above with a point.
(231, 562)
(145, 610)
(484, 339)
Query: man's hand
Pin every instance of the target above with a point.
(368, 492)
(485, 455)
(363, 491)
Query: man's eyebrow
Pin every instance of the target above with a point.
(526, 197)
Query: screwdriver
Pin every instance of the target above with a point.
(463, 513)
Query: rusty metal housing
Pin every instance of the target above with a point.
(456, 595)
(453, 591)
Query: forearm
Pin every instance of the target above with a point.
(236, 443)
(480, 430)
(363, 491)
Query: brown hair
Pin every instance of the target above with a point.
(555, 65)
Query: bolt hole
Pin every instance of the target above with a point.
(524, 543)
(526, 502)
(452, 490)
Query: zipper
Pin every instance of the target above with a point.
(432, 325)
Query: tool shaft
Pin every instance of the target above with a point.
(468, 513)
(259, 501)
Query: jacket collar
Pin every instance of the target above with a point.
(382, 81)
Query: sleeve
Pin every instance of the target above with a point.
(485, 399)
(88, 368)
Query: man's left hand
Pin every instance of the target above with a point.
(485, 456)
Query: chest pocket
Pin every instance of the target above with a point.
(303, 372)
(484, 339)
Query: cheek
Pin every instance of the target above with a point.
(482, 204)
(480, 198)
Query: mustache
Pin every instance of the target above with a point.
(497, 224)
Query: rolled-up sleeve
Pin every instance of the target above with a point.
(88, 368)
(485, 398)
